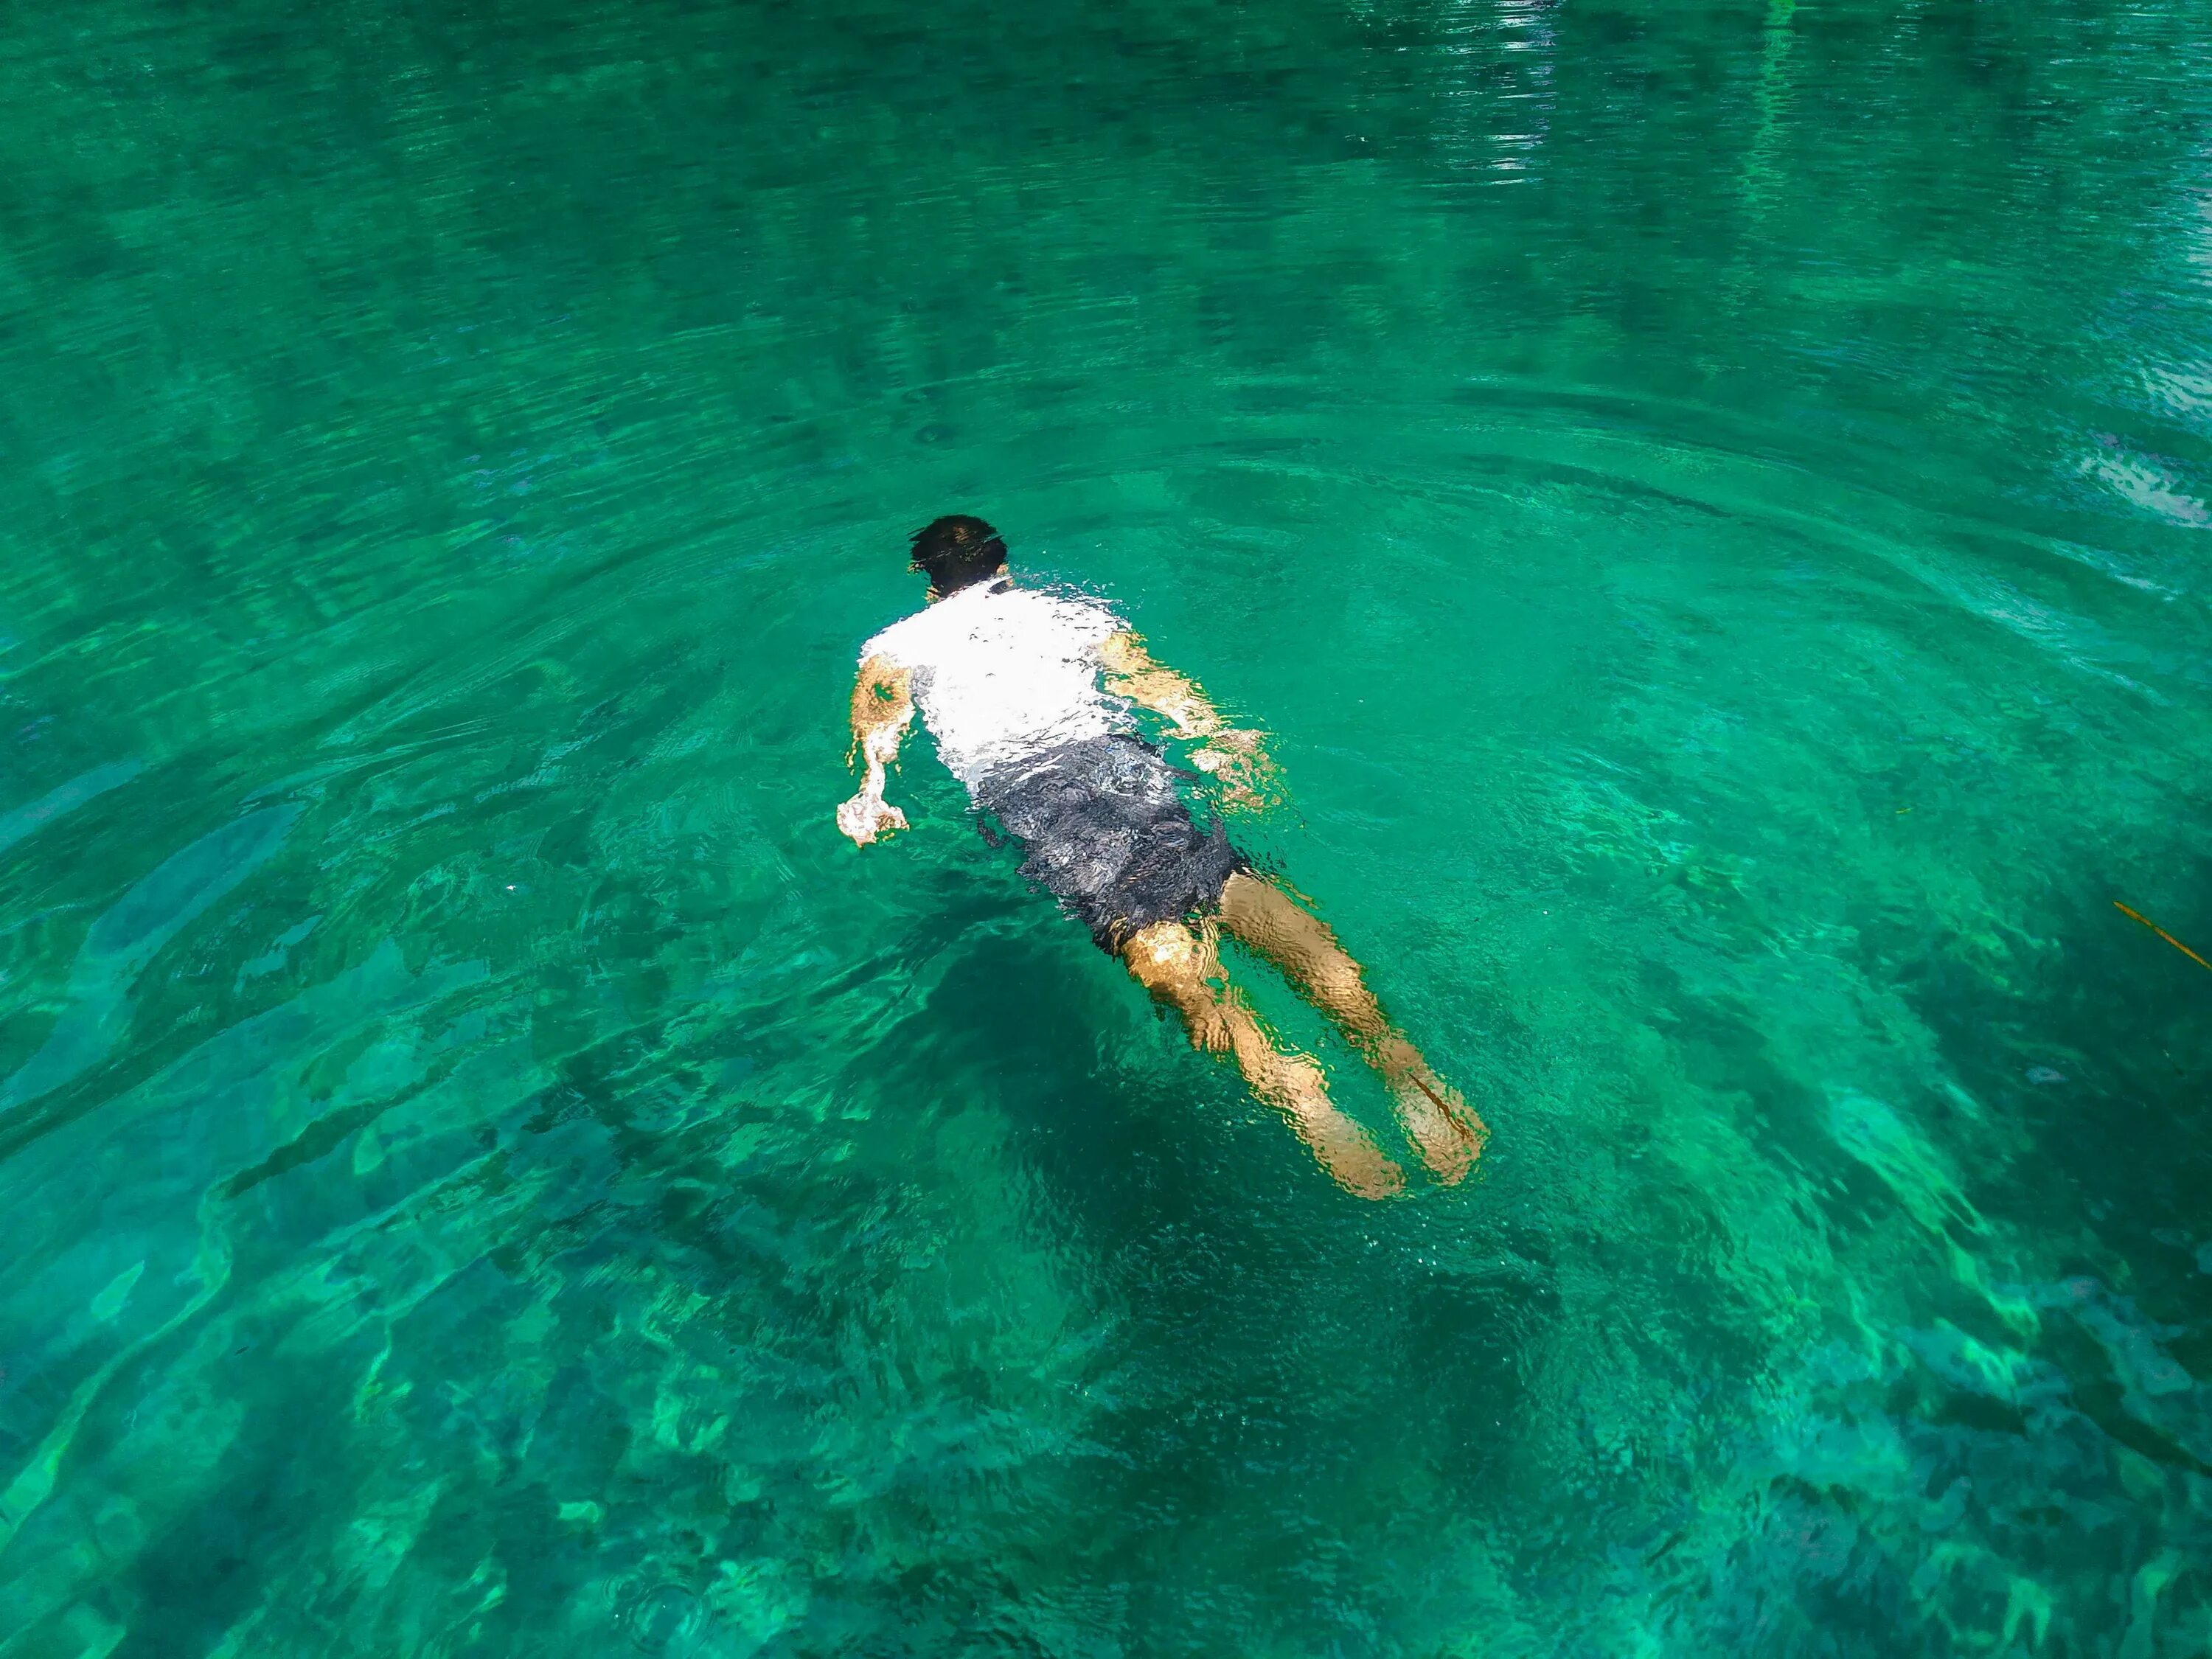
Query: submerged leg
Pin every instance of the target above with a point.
(1276, 925)
(1181, 968)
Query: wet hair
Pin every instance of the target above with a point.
(957, 551)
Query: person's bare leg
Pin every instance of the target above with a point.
(1180, 966)
(1443, 1125)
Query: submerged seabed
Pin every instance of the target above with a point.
(1713, 503)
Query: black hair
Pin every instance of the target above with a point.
(957, 551)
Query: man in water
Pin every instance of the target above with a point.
(1029, 696)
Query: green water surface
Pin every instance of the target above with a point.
(1712, 501)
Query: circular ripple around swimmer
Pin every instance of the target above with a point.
(664, 1620)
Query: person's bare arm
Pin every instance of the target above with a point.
(882, 703)
(1232, 754)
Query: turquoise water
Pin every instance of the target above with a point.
(1715, 506)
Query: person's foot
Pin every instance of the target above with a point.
(1443, 1127)
(1345, 1150)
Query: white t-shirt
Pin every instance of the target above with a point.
(1001, 673)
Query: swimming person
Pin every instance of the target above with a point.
(1029, 696)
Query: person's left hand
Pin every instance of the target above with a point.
(1239, 762)
(868, 817)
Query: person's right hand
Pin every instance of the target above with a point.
(1238, 761)
(868, 818)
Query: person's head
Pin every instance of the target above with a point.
(958, 551)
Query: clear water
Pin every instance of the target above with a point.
(1713, 503)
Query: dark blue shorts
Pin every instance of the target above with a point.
(1103, 828)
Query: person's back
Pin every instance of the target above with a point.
(1001, 671)
(1029, 696)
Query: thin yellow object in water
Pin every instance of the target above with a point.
(2162, 934)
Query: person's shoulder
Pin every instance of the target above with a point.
(1072, 608)
(888, 641)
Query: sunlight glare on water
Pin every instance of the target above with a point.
(1712, 502)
